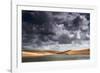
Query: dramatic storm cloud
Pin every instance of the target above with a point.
(45, 28)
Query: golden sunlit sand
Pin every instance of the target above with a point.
(51, 52)
(34, 54)
(79, 52)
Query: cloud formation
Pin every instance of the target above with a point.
(45, 28)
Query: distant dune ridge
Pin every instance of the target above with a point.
(37, 53)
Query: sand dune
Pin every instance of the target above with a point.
(51, 52)
(79, 52)
(35, 54)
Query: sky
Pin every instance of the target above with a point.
(46, 30)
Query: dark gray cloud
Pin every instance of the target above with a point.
(40, 28)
